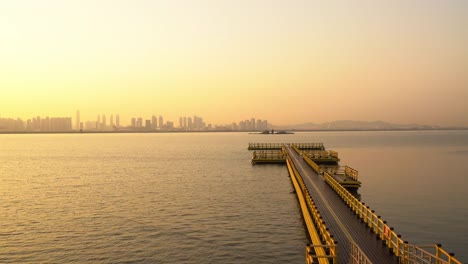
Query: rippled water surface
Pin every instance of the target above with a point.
(195, 197)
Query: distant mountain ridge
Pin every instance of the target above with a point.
(355, 125)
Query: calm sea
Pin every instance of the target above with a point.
(195, 197)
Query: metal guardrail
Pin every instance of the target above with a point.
(309, 146)
(318, 169)
(324, 247)
(298, 151)
(320, 154)
(431, 254)
(310, 256)
(268, 154)
(259, 146)
(357, 256)
(407, 253)
(333, 153)
(352, 173)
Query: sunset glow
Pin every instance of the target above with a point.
(286, 61)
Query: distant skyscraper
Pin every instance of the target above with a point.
(161, 122)
(104, 121)
(77, 125)
(189, 123)
(140, 122)
(133, 122)
(198, 123)
(29, 125)
(46, 125)
(148, 124)
(252, 124)
(117, 120)
(242, 125)
(154, 122)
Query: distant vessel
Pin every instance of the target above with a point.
(268, 132)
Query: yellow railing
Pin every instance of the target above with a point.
(318, 169)
(311, 256)
(352, 173)
(309, 145)
(320, 154)
(393, 241)
(253, 146)
(323, 247)
(431, 254)
(295, 146)
(333, 153)
(269, 154)
(283, 149)
(357, 255)
(298, 151)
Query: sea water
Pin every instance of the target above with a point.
(195, 197)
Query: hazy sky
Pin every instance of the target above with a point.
(403, 61)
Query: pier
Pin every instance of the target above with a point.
(279, 146)
(341, 228)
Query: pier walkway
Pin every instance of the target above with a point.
(341, 228)
(343, 223)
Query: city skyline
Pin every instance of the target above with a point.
(290, 62)
(192, 123)
(135, 124)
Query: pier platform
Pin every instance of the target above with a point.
(342, 228)
(279, 146)
(269, 156)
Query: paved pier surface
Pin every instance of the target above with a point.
(344, 224)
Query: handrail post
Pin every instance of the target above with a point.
(438, 253)
(335, 257)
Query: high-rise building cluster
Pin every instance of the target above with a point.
(101, 124)
(153, 124)
(193, 124)
(156, 123)
(36, 124)
(108, 123)
(253, 125)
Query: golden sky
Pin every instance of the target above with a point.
(286, 61)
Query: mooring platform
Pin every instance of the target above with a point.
(341, 228)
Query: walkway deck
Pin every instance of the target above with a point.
(342, 228)
(344, 225)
